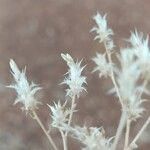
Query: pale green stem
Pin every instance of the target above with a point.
(127, 134)
(71, 112)
(122, 122)
(70, 119)
(35, 116)
(140, 132)
(64, 138)
(112, 75)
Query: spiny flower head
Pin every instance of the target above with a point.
(127, 80)
(103, 32)
(135, 109)
(60, 115)
(128, 75)
(136, 39)
(142, 52)
(74, 80)
(93, 138)
(26, 91)
(102, 65)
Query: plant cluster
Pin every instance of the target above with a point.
(129, 76)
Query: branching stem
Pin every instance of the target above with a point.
(35, 116)
(64, 138)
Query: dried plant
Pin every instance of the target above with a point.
(129, 78)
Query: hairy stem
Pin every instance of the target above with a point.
(72, 110)
(64, 138)
(35, 116)
(112, 74)
(70, 118)
(127, 134)
(140, 132)
(119, 130)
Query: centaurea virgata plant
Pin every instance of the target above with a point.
(130, 76)
(60, 114)
(126, 77)
(75, 81)
(26, 95)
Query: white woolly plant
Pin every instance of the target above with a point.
(61, 115)
(130, 79)
(134, 67)
(26, 95)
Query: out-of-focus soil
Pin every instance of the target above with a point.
(34, 33)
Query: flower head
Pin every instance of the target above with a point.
(26, 91)
(93, 138)
(135, 109)
(127, 79)
(102, 65)
(74, 80)
(60, 115)
(136, 39)
(103, 32)
(141, 49)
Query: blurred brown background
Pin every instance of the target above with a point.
(34, 33)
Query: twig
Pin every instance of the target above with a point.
(123, 115)
(120, 128)
(35, 116)
(127, 134)
(64, 138)
(112, 74)
(140, 132)
(71, 114)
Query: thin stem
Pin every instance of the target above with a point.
(123, 115)
(127, 134)
(35, 116)
(70, 118)
(72, 110)
(64, 135)
(112, 75)
(64, 138)
(140, 132)
(120, 129)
